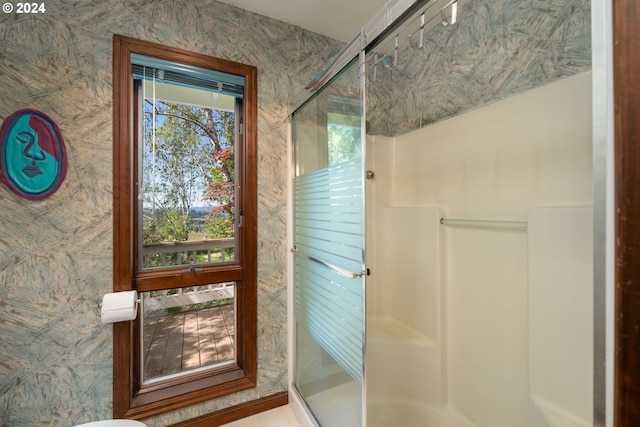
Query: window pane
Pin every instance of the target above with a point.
(187, 328)
(187, 177)
(218, 112)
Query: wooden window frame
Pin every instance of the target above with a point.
(626, 90)
(130, 398)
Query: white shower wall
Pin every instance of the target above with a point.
(458, 310)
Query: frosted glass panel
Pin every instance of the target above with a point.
(328, 218)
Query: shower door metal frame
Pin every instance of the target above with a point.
(363, 273)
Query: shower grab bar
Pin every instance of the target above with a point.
(517, 225)
(334, 268)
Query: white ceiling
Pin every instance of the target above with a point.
(339, 19)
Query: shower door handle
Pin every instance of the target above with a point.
(364, 273)
(341, 271)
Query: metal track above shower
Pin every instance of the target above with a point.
(428, 12)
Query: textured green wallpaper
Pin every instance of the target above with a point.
(56, 254)
(497, 49)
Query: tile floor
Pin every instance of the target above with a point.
(279, 417)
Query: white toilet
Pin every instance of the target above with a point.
(113, 423)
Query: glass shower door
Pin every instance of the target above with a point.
(329, 255)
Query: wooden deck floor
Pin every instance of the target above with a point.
(184, 341)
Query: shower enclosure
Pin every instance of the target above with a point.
(443, 214)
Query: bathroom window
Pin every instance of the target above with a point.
(184, 226)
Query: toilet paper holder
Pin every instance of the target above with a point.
(117, 306)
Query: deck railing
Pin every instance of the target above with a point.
(189, 252)
(190, 296)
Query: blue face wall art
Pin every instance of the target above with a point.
(33, 159)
